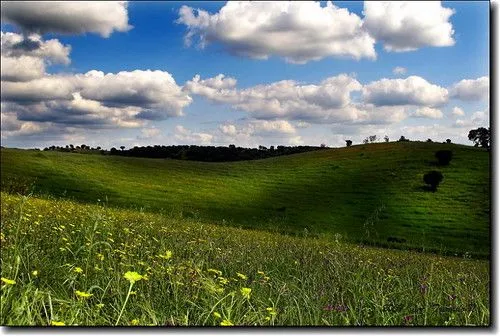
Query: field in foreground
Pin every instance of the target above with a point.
(65, 263)
(368, 193)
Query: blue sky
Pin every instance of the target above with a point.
(157, 42)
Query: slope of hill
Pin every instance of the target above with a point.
(367, 193)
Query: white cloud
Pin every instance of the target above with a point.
(149, 133)
(413, 90)
(25, 58)
(99, 17)
(409, 25)
(20, 69)
(286, 99)
(428, 112)
(471, 89)
(53, 51)
(154, 91)
(457, 111)
(188, 136)
(399, 70)
(297, 31)
(477, 119)
(11, 126)
(96, 100)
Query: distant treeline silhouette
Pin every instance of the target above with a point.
(193, 152)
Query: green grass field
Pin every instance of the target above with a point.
(366, 193)
(67, 263)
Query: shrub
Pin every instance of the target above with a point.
(348, 143)
(433, 178)
(444, 157)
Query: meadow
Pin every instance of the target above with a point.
(65, 263)
(373, 194)
(339, 237)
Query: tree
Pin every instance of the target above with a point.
(429, 140)
(386, 138)
(403, 139)
(322, 145)
(444, 157)
(365, 141)
(372, 138)
(480, 136)
(433, 178)
(348, 143)
(122, 147)
(448, 141)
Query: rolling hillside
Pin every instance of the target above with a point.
(367, 193)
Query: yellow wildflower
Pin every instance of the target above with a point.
(34, 273)
(99, 305)
(242, 276)
(83, 294)
(166, 256)
(77, 270)
(245, 292)
(217, 315)
(132, 277)
(226, 323)
(8, 281)
(271, 311)
(57, 324)
(134, 322)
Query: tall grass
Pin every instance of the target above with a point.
(77, 264)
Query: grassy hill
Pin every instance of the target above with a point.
(367, 193)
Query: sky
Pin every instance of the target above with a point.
(246, 73)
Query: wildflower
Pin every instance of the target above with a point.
(132, 277)
(57, 324)
(8, 281)
(271, 311)
(242, 276)
(83, 294)
(226, 323)
(77, 270)
(407, 319)
(166, 256)
(217, 272)
(99, 305)
(100, 256)
(260, 272)
(245, 292)
(134, 322)
(217, 315)
(423, 289)
(34, 273)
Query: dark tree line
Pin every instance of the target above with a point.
(212, 153)
(193, 152)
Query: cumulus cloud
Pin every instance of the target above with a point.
(457, 111)
(286, 99)
(399, 70)
(23, 68)
(25, 58)
(154, 91)
(471, 89)
(409, 25)
(63, 17)
(95, 99)
(477, 119)
(16, 45)
(428, 112)
(413, 90)
(297, 31)
(188, 136)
